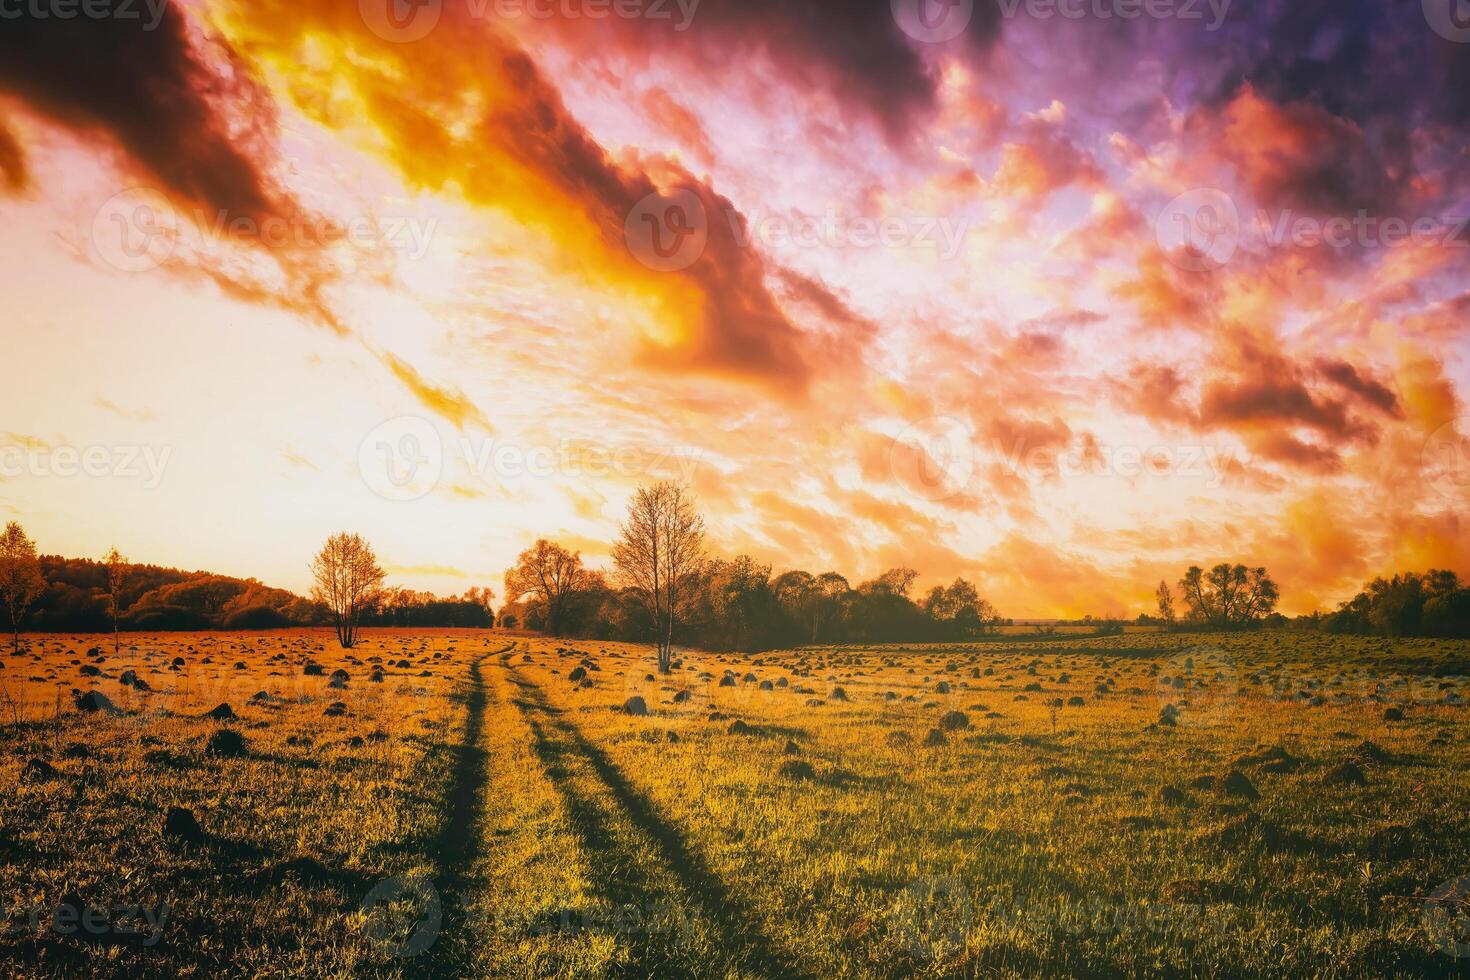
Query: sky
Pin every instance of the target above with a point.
(1061, 297)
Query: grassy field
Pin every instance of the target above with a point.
(482, 804)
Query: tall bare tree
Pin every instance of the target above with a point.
(20, 576)
(658, 555)
(549, 572)
(117, 575)
(348, 580)
(1166, 603)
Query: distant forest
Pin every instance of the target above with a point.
(154, 598)
(735, 605)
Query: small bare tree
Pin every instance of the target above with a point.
(1166, 603)
(20, 576)
(347, 579)
(117, 574)
(659, 553)
(551, 573)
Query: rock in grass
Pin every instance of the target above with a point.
(225, 744)
(635, 706)
(1393, 714)
(314, 670)
(221, 712)
(935, 738)
(577, 674)
(95, 702)
(796, 769)
(791, 748)
(1236, 784)
(1344, 774)
(181, 825)
(1369, 751)
(1172, 795)
(738, 727)
(335, 710)
(681, 696)
(954, 721)
(38, 771)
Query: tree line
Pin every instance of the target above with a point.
(664, 588)
(49, 593)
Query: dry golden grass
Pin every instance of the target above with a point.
(480, 812)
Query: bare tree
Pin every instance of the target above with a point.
(549, 572)
(117, 575)
(347, 579)
(658, 555)
(20, 576)
(1166, 603)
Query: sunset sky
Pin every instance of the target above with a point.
(1046, 304)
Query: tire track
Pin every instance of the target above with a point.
(559, 741)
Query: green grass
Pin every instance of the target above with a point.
(563, 837)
